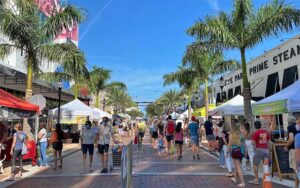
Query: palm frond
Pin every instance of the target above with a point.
(50, 52)
(5, 49)
(272, 19)
(69, 16)
(55, 76)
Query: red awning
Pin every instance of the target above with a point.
(10, 101)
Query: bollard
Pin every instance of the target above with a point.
(267, 182)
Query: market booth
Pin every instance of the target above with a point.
(286, 101)
(13, 109)
(72, 116)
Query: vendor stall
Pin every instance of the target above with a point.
(74, 113)
(13, 109)
(234, 106)
(99, 114)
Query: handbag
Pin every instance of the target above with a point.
(24, 149)
(136, 140)
(237, 153)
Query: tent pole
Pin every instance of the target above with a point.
(36, 129)
(279, 128)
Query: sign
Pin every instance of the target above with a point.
(126, 166)
(39, 100)
(77, 120)
(278, 107)
(281, 158)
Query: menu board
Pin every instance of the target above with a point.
(282, 160)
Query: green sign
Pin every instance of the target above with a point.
(278, 107)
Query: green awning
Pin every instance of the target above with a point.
(272, 108)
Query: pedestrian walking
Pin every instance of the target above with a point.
(43, 144)
(209, 131)
(249, 150)
(179, 140)
(290, 145)
(261, 138)
(228, 159)
(141, 128)
(154, 134)
(105, 131)
(87, 145)
(220, 147)
(169, 129)
(236, 148)
(194, 132)
(16, 151)
(57, 137)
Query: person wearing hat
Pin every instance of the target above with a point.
(290, 145)
(194, 133)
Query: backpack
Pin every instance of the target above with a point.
(171, 127)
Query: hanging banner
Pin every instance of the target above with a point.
(78, 120)
(272, 108)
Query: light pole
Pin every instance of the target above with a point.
(221, 84)
(59, 86)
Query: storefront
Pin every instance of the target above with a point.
(268, 74)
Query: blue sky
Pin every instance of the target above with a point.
(141, 40)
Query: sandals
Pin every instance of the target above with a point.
(233, 180)
(229, 175)
(241, 185)
(255, 182)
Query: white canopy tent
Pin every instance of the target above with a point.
(98, 114)
(286, 100)
(174, 115)
(186, 113)
(74, 108)
(234, 106)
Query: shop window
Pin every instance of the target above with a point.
(218, 98)
(290, 75)
(230, 93)
(272, 84)
(237, 90)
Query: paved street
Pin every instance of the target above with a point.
(150, 170)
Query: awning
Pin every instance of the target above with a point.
(202, 111)
(10, 101)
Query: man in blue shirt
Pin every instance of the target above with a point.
(209, 131)
(194, 132)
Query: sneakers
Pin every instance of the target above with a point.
(194, 157)
(179, 158)
(104, 170)
(198, 156)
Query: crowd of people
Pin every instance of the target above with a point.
(239, 147)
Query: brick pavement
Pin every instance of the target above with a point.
(150, 170)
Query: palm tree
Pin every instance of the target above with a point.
(98, 82)
(171, 98)
(187, 78)
(242, 29)
(119, 99)
(74, 70)
(207, 64)
(21, 24)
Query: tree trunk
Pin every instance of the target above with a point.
(28, 93)
(97, 100)
(75, 91)
(206, 98)
(246, 91)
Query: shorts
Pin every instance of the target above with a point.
(57, 146)
(141, 134)
(178, 142)
(169, 138)
(103, 148)
(155, 135)
(88, 147)
(292, 159)
(259, 155)
(210, 137)
(194, 140)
